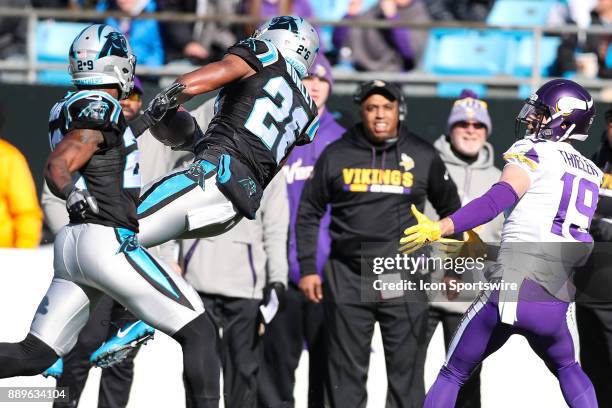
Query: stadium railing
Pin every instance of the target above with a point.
(504, 84)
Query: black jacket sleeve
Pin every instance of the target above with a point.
(441, 189)
(313, 204)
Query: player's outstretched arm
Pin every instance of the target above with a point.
(512, 185)
(208, 78)
(214, 76)
(75, 149)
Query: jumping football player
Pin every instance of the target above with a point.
(262, 111)
(549, 192)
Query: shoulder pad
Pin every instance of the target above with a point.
(257, 53)
(91, 110)
(523, 152)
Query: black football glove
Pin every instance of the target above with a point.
(79, 202)
(164, 101)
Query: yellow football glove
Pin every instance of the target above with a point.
(454, 248)
(419, 235)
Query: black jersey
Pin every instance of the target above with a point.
(261, 118)
(112, 174)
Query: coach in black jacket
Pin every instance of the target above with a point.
(370, 177)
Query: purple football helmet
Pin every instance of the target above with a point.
(561, 109)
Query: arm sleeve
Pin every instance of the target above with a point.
(441, 189)
(23, 204)
(484, 208)
(275, 225)
(54, 210)
(313, 204)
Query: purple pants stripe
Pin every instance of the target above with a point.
(541, 319)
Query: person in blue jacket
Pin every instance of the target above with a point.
(144, 35)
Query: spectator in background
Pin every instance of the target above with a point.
(20, 214)
(594, 299)
(271, 8)
(13, 30)
(586, 55)
(462, 10)
(301, 321)
(469, 159)
(144, 35)
(235, 273)
(198, 42)
(374, 49)
(115, 381)
(369, 178)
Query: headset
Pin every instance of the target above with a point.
(383, 84)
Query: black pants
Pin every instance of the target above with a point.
(595, 331)
(469, 396)
(300, 322)
(238, 350)
(350, 323)
(116, 381)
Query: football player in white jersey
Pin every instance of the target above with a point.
(549, 192)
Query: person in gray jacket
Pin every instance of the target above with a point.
(376, 49)
(469, 160)
(115, 382)
(235, 273)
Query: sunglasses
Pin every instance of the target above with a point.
(464, 125)
(136, 97)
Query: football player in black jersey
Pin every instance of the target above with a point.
(262, 111)
(94, 167)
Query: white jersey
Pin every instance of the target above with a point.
(562, 198)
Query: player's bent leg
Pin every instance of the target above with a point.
(152, 291)
(61, 315)
(187, 199)
(145, 285)
(479, 334)
(548, 326)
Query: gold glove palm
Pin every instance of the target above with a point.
(421, 234)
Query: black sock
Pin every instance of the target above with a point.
(201, 367)
(30, 356)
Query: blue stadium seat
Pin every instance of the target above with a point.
(521, 61)
(53, 41)
(467, 52)
(520, 12)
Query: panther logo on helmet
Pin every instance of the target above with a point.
(284, 23)
(115, 45)
(295, 38)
